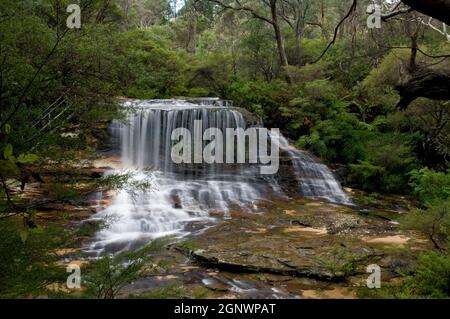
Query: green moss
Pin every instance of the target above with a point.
(188, 245)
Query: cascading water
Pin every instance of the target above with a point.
(314, 178)
(181, 196)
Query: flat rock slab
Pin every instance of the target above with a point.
(300, 238)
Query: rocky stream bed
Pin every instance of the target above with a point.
(292, 248)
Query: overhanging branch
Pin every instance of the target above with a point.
(352, 9)
(241, 7)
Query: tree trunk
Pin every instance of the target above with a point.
(278, 35)
(298, 40)
(298, 49)
(279, 38)
(413, 58)
(272, 20)
(192, 39)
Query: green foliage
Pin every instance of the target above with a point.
(10, 165)
(107, 276)
(377, 160)
(53, 82)
(429, 119)
(312, 48)
(128, 182)
(151, 70)
(430, 187)
(388, 72)
(213, 75)
(429, 280)
(113, 181)
(264, 99)
(366, 175)
(27, 259)
(257, 50)
(389, 158)
(337, 140)
(339, 261)
(433, 222)
(198, 92)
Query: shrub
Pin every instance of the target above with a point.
(432, 277)
(28, 261)
(433, 222)
(366, 175)
(430, 280)
(430, 186)
(340, 139)
(150, 69)
(266, 99)
(339, 261)
(107, 276)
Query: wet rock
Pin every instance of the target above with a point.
(297, 238)
(216, 285)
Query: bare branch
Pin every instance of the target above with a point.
(352, 9)
(241, 7)
(395, 13)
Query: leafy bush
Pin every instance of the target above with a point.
(433, 222)
(430, 280)
(432, 277)
(394, 154)
(28, 262)
(151, 70)
(265, 99)
(338, 139)
(106, 277)
(366, 175)
(213, 75)
(339, 261)
(430, 186)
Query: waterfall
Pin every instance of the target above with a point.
(182, 196)
(314, 178)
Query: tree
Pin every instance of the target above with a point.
(52, 78)
(272, 18)
(144, 13)
(420, 80)
(295, 12)
(433, 222)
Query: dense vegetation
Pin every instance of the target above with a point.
(58, 85)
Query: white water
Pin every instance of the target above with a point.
(315, 178)
(182, 196)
